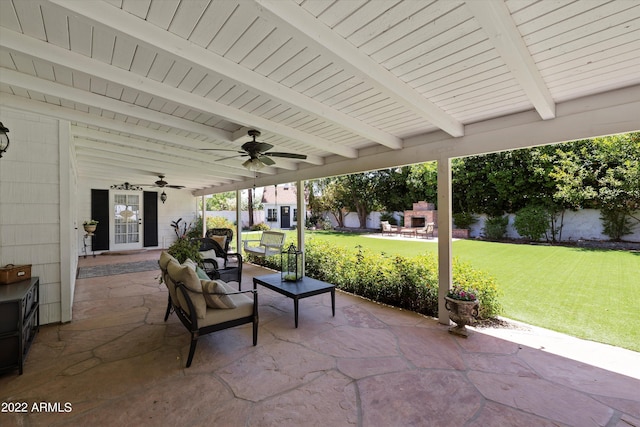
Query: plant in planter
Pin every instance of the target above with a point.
(463, 307)
(184, 248)
(90, 226)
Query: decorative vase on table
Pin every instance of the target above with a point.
(462, 313)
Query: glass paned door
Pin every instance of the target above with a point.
(127, 221)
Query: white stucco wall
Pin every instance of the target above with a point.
(584, 224)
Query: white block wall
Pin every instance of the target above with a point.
(30, 204)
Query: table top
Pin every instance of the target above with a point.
(300, 287)
(17, 290)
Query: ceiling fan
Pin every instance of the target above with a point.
(164, 184)
(257, 153)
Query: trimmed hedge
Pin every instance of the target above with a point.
(408, 283)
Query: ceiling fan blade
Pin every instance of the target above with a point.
(256, 147)
(219, 149)
(233, 157)
(179, 187)
(266, 160)
(287, 155)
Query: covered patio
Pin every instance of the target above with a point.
(120, 98)
(119, 363)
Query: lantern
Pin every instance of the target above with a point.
(292, 264)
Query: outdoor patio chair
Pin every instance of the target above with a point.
(205, 306)
(217, 234)
(426, 231)
(388, 228)
(218, 263)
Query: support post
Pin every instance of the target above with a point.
(239, 220)
(445, 270)
(300, 216)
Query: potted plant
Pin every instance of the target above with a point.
(184, 248)
(462, 305)
(90, 226)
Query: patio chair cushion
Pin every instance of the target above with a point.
(221, 240)
(202, 275)
(188, 276)
(216, 294)
(211, 254)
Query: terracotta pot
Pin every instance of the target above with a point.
(90, 228)
(462, 313)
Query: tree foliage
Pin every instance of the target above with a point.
(601, 173)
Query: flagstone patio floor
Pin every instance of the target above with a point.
(119, 364)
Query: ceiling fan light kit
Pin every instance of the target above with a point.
(253, 165)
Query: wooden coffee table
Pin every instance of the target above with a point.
(303, 288)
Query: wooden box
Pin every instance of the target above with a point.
(14, 273)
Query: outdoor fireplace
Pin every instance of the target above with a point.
(421, 214)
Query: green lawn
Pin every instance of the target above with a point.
(586, 293)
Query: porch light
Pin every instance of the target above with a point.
(292, 264)
(253, 164)
(163, 197)
(4, 139)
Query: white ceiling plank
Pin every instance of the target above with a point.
(495, 19)
(186, 17)
(140, 8)
(30, 18)
(185, 51)
(56, 27)
(161, 12)
(321, 37)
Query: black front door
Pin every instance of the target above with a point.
(285, 217)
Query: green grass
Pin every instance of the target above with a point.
(590, 294)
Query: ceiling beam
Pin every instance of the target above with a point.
(104, 15)
(66, 58)
(322, 38)
(495, 19)
(110, 124)
(171, 152)
(46, 87)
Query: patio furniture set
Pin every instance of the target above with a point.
(394, 230)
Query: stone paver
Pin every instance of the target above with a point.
(119, 363)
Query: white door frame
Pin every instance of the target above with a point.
(133, 223)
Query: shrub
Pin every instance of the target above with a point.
(615, 223)
(409, 283)
(464, 219)
(219, 222)
(532, 222)
(388, 216)
(260, 227)
(496, 227)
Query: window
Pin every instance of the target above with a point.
(295, 214)
(272, 215)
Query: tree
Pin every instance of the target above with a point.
(359, 193)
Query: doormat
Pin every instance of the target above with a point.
(115, 269)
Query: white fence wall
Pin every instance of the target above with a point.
(584, 224)
(258, 216)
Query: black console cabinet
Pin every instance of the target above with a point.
(19, 321)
